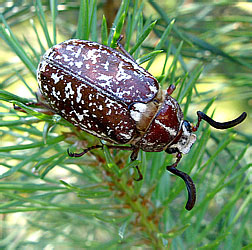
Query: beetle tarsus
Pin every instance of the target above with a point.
(219, 125)
(188, 181)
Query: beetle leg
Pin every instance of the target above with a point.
(39, 106)
(27, 104)
(218, 125)
(123, 50)
(84, 151)
(188, 181)
(133, 157)
(171, 88)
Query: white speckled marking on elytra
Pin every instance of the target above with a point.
(121, 74)
(68, 90)
(55, 94)
(85, 113)
(45, 87)
(79, 116)
(70, 47)
(79, 94)
(66, 58)
(42, 66)
(171, 104)
(105, 65)
(56, 78)
(92, 56)
(107, 79)
(78, 64)
(77, 54)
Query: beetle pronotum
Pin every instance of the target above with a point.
(107, 94)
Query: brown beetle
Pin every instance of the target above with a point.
(107, 94)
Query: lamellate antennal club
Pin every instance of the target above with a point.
(104, 92)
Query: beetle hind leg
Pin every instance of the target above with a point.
(188, 181)
(123, 50)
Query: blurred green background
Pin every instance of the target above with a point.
(97, 203)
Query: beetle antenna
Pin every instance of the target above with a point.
(188, 181)
(219, 125)
(189, 185)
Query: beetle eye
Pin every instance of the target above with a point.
(188, 126)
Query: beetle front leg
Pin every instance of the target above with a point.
(188, 181)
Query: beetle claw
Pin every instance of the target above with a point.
(72, 154)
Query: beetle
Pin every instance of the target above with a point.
(104, 92)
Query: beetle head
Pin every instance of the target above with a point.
(183, 141)
(185, 138)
